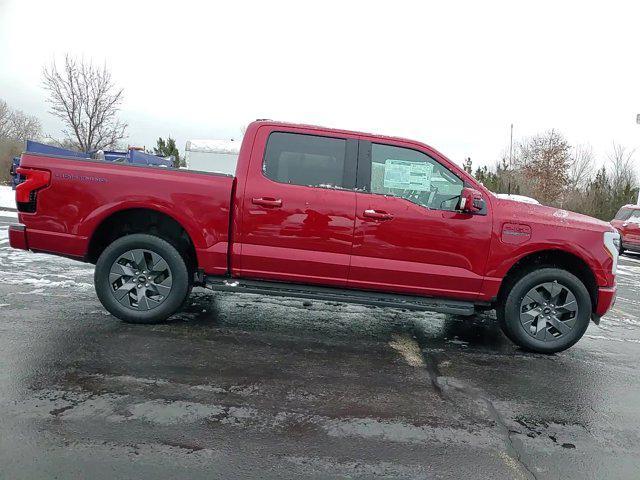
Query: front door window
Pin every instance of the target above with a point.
(414, 176)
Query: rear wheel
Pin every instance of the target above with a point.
(141, 279)
(546, 311)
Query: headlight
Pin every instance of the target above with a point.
(612, 244)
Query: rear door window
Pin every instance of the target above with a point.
(308, 160)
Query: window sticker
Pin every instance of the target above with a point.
(407, 175)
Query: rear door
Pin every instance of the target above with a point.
(298, 207)
(409, 238)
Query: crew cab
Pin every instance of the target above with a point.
(326, 214)
(627, 222)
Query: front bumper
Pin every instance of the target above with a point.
(606, 300)
(18, 237)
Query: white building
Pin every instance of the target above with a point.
(218, 156)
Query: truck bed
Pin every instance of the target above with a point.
(84, 193)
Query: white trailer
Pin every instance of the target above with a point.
(220, 156)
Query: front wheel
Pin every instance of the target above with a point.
(141, 279)
(546, 311)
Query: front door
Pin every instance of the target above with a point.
(298, 209)
(631, 230)
(409, 238)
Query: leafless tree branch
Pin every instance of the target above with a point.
(581, 166)
(621, 167)
(87, 100)
(17, 125)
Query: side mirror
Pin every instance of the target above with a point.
(471, 201)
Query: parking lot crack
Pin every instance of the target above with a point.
(451, 389)
(511, 446)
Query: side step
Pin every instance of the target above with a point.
(312, 292)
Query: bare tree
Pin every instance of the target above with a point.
(621, 167)
(581, 166)
(25, 127)
(86, 99)
(5, 118)
(15, 128)
(544, 160)
(17, 125)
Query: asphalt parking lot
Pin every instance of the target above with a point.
(244, 386)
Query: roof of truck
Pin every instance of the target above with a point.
(338, 130)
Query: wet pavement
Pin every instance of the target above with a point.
(243, 386)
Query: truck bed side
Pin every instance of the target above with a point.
(82, 194)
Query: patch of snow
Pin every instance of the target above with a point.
(517, 198)
(561, 214)
(38, 283)
(627, 270)
(612, 339)
(7, 198)
(7, 213)
(462, 343)
(630, 259)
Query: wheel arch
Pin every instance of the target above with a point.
(141, 220)
(551, 258)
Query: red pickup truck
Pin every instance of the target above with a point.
(627, 222)
(323, 214)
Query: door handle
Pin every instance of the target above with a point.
(267, 202)
(377, 214)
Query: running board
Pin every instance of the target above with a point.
(312, 292)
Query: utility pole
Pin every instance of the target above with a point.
(511, 160)
(511, 144)
(638, 122)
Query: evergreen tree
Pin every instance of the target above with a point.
(168, 148)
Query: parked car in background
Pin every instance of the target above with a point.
(325, 214)
(627, 222)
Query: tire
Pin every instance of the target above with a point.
(137, 297)
(502, 323)
(547, 293)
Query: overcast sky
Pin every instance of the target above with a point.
(452, 74)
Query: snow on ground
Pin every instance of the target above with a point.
(7, 198)
(40, 274)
